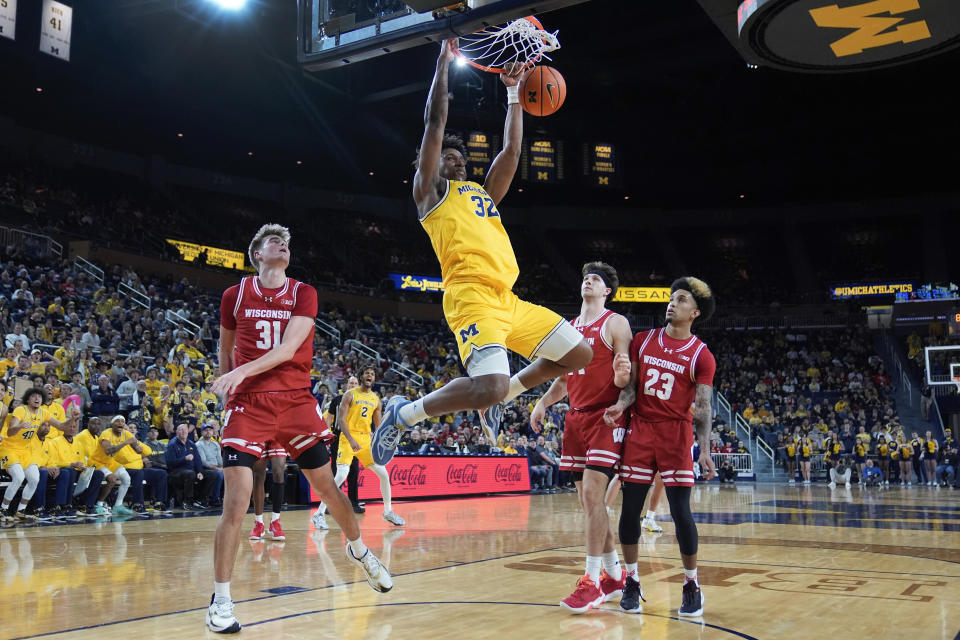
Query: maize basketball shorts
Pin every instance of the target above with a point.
(588, 441)
(658, 446)
(482, 316)
(346, 454)
(288, 420)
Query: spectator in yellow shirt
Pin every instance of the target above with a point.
(9, 361)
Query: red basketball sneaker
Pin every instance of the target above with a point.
(276, 531)
(257, 533)
(586, 596)
(611, 588)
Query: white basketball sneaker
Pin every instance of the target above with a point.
(220, 618)
(319, 520)
(377, 575)
(392, 517)
(651, 525)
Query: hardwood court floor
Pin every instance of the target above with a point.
(776, 562)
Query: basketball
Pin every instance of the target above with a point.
(542, 91)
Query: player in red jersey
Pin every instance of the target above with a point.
(266, 349)
(671, 369)
(591, 449)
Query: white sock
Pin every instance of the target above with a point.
(384, 486)
(594, 564)
(691, 574)
(274, 517)
(259, 518)
(516, 388)
(322, 509)
(357, 547)
(22, 506)
(221, 592)
(630, 568)
(611, 564)
(651, 514)
(413, 413)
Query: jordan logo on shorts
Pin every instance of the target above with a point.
(466, 334)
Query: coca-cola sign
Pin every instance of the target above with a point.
(425, 476)
(508, 473)
(462, 474)
(413, 476)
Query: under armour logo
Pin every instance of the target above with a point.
(238, 409)
(268, 298)
(668, 350)
(466, 334)
(232, 456)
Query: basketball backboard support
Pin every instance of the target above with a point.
(942, 365)
(330, 34)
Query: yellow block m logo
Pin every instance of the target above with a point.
(869, 27)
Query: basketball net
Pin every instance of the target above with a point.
(523, 41)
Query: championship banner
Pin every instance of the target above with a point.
(8, 19)
(428, 476)
(409, 282)
(600, 165)
(56, 24)
(215, 256)
(643, 294)
(479, 155)
(542, 161)
(869, 290)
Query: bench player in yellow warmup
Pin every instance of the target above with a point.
(359, 410)
(479, 270)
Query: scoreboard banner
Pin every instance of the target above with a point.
(542, 161)
(946, 291)
(429, 476)
(8, 19)
(215, 256)
(479, 155)
(56, 24)
(600, 165)
(407, 282)
(643, 294)
(870, 290)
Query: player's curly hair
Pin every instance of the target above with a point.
(450, 141)
(701, 294)
(269, 229)
(606, 272)
(363, 370)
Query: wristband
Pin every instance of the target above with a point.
(513, 95)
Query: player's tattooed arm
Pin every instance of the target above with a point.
(702, 413)
(628, 395)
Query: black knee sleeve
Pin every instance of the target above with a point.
(686, 528)
(631, 512)
(276, 496)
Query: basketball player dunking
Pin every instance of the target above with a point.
(591, 449)
(479, 269)
(674, 370)
(266, 348)
(358, 412)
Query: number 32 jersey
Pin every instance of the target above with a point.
(668, 373)
(260, 316)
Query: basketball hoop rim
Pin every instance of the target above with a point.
(527, 65)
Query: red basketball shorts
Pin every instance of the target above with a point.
(289, 421)
(658, 446)
(273, 449)
(588, 441)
